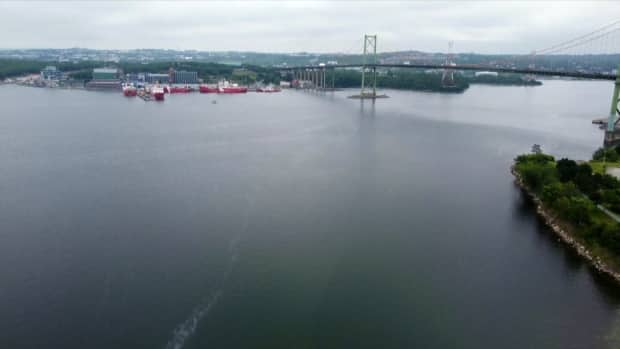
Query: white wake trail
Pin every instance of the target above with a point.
(184, 330)
(187, 328)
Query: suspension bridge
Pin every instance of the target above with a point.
(602, 42)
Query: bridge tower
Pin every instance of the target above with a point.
(612, 134)
(370, 57)
(447, 78)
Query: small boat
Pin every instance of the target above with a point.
(270, 89)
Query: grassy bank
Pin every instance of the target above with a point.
(600, 166)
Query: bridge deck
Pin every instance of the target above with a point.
(578, 75)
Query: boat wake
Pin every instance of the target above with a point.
(187, 328)
(184, 330)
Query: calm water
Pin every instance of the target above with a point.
(292, 220)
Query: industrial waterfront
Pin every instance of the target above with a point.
(297, 219)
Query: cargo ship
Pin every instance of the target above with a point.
(158, 93)
(208, 89)
(180, 89)
(226, 87)
(130, 91)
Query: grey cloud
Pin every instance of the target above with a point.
(488, 27)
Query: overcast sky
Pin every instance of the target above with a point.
(278, 26)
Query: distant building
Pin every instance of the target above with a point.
(105, 78)
(51, 73)
(154, 78)
(105, 74)
(134, 77)
(183, 77)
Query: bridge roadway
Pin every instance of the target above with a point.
(578, 75)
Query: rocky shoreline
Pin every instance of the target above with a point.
(553, 221)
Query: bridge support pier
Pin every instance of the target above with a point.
(317, 83)
(612, 133)
(370, 49)
(314, 79)
(370, 42)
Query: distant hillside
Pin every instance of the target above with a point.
(590, 63)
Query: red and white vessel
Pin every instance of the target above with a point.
(180, 89)
(226, 87)
(129, 90)
(158, 93)
(208, 89)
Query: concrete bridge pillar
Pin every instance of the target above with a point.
(306, 78)
(314, 78)
(612, 133)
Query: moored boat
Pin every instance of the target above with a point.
(158, 93)
(237, 89)
(226, 87)
(207, 89)
(268, 89)
(180, 89)
(129, 91)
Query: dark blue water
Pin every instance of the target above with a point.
(291, 220)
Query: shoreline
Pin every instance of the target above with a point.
(554, 223)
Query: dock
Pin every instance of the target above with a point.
(368, 96)
(145, 97)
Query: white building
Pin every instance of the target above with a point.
(485, 73)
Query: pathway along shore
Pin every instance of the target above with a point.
(553, 222)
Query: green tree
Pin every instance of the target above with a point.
(567, 169)
(537, 175)
(584, 180)
(607, 154)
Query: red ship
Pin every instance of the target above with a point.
(207, 89)
(158, 93)
(226, 87)
(233, 89)
(180, 89)
(129, 91)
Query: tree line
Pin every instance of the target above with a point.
(83, 70)
(573, 190)
(423, 81)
